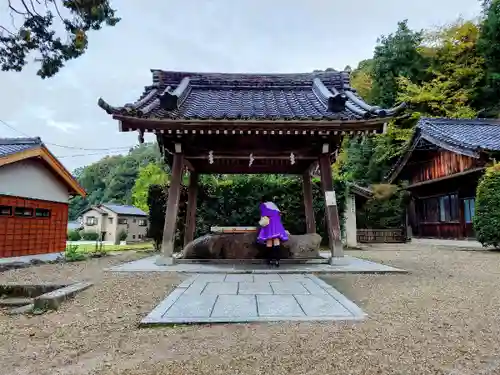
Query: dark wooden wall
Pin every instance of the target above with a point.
(429, 165)
(464, 187)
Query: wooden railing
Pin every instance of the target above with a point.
(395, 235)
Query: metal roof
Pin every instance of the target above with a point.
(124, 210)
(9, 146)
(323, 95)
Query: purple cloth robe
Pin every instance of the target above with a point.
(274, 229)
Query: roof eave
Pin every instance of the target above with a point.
(251, 121)
(43, 153)
(398, 167)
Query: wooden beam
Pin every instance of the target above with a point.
(255, 157)
(191, 208)
(297, 169)
(331, 210)
(269, 125)
(308, 203)
(174, 192)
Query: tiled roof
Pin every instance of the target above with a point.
(217, 96)
(361, 190)
(124, 210)
(9, 146)
(462, 136)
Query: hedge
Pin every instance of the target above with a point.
(235, 201)
(486, 219)
(73, 235)
(90, 236)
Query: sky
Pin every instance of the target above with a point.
(260, 36)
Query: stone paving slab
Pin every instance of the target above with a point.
(350, 265)
(204, 298)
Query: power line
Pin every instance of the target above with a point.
(13, 128)
(90, 149)
(68, 147)
(80, 155)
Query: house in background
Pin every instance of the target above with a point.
(442, 167)
(34, 192)
(109, 220)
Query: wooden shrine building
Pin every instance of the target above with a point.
(442, 167)
(250, 123)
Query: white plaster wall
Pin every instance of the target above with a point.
(31, 179)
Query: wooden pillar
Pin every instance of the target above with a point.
(331, 210)
(308, 202)
(174, 192)
(191, 208)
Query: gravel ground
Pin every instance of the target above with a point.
(443, 318)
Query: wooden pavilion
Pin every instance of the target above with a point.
(250, 123)
(442, 167)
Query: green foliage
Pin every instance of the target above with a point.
(366, 161)
(362, 81)
(439, 73)
(455, 73)
(90, 236)
(396, 55)
(235, 199)
(74, 235)
(122, 236)
(487, 216)
(489, 47)
(385, 210)
(71, 254)
(150, 174)
(156, 203)
(112, 178)
(37, 32)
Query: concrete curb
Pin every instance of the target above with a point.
(54, 299)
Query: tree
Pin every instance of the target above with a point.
(37, 32)
(151, 174)
(456, 71)
(489, 48)
(362, 81)
(396, 55)
(487, 216)
(112, 178)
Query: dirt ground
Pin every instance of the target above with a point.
(442, 318)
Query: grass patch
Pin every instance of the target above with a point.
(89, 248)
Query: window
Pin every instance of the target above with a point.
(91, 220)
(139, 236)
(42, 212)
(5, 210)
(110, 220)
(122, 221)
(133, 220)
(439, 209)
(23, 211)
(133, 236)
(469, 209)
(143, 223)
(429, 210)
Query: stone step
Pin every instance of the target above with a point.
(21, 310)
(52, 300)
(251, 261)
(15, 301)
